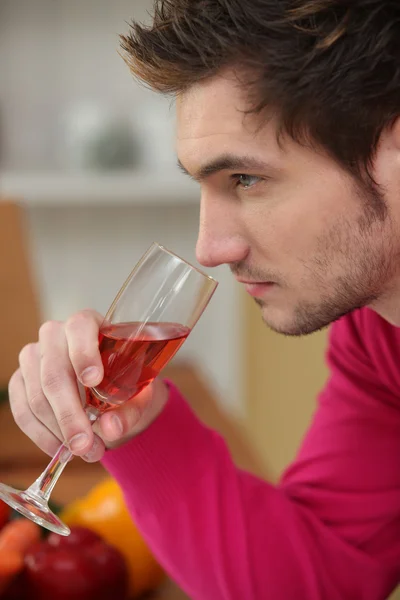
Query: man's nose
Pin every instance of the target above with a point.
(220, 240)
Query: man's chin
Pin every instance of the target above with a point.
(298, 317)
(283, 324)
(295, 324)
(294, 330)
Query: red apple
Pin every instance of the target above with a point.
(60, 575)
(79, 536)
(5, 512)
(111, 569)
(69, 569)
(17, 590)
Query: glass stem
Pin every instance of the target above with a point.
(44, 484)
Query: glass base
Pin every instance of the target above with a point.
(34, 508)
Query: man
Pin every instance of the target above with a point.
(288, 116)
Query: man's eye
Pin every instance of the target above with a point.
(246, 181)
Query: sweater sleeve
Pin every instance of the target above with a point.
(329, 531)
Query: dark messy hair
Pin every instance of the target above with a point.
(329, 68)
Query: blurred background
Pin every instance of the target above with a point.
(88, 179)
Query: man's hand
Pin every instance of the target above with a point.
(46, 401)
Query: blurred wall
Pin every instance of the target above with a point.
(56, 58)
(283, 378)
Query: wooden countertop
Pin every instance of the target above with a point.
(21, 462)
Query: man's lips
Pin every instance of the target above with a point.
(256, 288)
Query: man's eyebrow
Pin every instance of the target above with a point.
(226, 162)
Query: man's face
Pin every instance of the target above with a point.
(285, 218)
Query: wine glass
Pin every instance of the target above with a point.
(147, 323)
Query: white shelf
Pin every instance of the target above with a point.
(118, 188)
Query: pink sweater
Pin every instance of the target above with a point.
(329, 531)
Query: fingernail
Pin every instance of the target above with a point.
(89, 455)
(116, 425)
(90, 376)
(78, 442)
